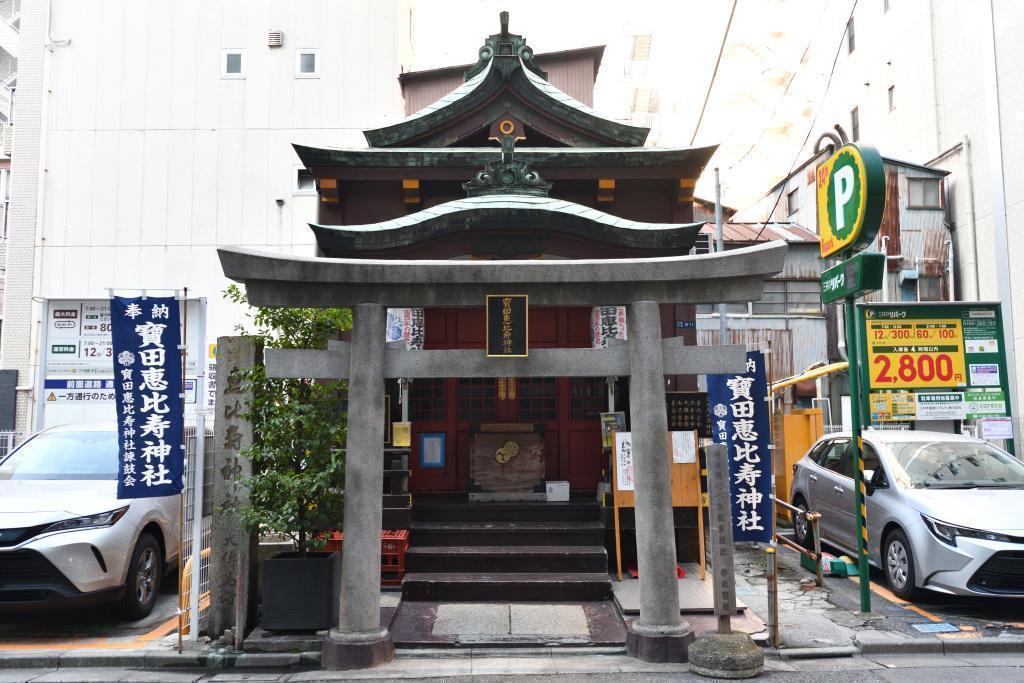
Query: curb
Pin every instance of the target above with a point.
(817, 652)
(49, 659)
(984, 645)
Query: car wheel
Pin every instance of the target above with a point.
(144, 574)
(898, 563)
(801, 527)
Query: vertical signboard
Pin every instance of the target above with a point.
(740, 422)
(146, 341)
(508, 330)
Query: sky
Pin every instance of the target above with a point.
(761, 105)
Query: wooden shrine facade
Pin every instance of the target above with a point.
(506, 166)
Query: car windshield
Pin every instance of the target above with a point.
(956, 464)
(64, 455)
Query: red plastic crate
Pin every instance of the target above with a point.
(393, 546)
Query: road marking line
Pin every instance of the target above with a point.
(100, 643)
(894, 599)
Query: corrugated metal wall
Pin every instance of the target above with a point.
(796, 342)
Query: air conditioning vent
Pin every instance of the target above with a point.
(275, 38)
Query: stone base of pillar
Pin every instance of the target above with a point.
(659, 647)
(343, 651)
(726, 655)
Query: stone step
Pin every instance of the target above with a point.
(588, 511)
(493, 559)
(506, 533)
(506, 587)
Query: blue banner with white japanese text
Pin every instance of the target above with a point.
(147, 392)
(740, 421)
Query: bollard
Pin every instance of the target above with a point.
(814, 517)
(773, 598)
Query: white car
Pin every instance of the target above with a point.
(65, 538)
(945, 512)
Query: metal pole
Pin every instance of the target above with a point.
(197, 522)
(814, 518)
(885, 268)
(723, 323)
(773, 598)
(853, 354)
(181, 496)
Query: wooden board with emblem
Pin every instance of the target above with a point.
(506, 465)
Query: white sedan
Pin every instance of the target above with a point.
(65, 538)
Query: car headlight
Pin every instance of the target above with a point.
(947, 533)
(87, 522)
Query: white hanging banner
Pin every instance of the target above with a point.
(406, 324)
(607, 322)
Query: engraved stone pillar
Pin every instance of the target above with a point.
(360, 641)
(230, 540)
(658, 634)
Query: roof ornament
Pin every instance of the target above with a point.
(507, 176)
(508, 50)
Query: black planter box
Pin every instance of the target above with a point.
(300, 593)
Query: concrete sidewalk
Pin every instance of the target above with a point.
(608, 665)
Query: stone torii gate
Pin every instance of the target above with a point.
(370, 286)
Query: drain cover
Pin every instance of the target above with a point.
(932, 627)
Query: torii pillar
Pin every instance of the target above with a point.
(360, 641)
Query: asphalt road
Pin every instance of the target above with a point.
(987, 616)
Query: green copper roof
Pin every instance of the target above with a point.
(506, 66)
(548, 157)
(505, 213)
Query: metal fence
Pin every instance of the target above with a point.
(8, 440)
(198, 511)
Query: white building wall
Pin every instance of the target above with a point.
(933, 52)
(152, 160)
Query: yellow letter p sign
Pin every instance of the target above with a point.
(851, 199)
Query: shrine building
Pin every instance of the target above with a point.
(510, 217)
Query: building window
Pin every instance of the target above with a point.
(307, 64)
(789, 297)
(588, 397)
(855, 124)
(892, 97)
(929, 288)
(793, 202)
(641, 48)
(851, 39)
(426, 400)
(538, 398)
(730, 309)
(232, 64)
(304, 181)
(925, 193)
(478, 401)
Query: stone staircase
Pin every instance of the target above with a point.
(506, 552)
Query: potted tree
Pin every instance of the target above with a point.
(296, 488)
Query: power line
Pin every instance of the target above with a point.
(789, 83)
(714, 73)
(824, 95)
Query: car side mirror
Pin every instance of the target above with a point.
(874, 479)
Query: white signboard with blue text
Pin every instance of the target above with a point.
(75, 382)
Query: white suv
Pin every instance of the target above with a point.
(65, 538)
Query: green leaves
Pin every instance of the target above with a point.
(298, 467)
